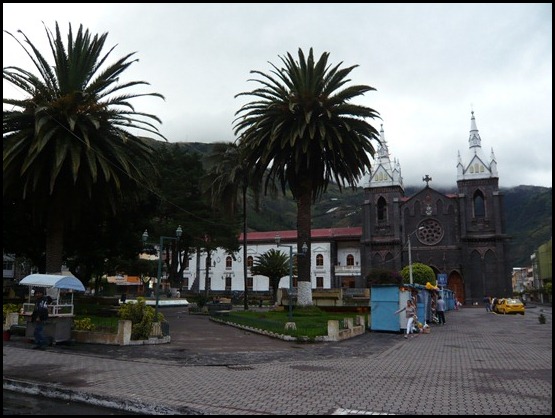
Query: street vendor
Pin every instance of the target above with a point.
(39, 317)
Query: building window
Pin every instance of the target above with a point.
(319, 282)
(185, 283)
(320, 261)
(479, 205)
(249, 283)
(228, 263)
(382, 209)
(250, 261)
(350, 260)
(228, 283)
(348, 282)
(8, 265)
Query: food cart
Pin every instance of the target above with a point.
(60, 311)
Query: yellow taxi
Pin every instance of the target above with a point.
(508, 306)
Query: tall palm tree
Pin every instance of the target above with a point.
(303, 130)
(68, 143)
(228, 176)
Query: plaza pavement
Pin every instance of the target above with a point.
(478, 363)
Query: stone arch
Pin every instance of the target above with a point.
(455, 283)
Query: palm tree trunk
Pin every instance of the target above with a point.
(54, 241)
(245, 300)
(304, 223)
(207, 275)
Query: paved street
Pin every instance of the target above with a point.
(478, 363)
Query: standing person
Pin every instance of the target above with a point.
(410, 312)
(487, 303)
(39, 317)
(493, 303)
(440, 310)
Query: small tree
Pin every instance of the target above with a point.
(141, 316)
(421, 274)
(273, 264)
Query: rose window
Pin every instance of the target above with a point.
(429, 232)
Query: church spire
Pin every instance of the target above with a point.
(474, 140)
(383, 172)
(478, 167)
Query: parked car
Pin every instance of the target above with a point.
(508, 305)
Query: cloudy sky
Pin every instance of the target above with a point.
(430, 64)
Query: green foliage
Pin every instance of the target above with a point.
(310, 321)
(9, 308)
(529, 220)
(421, 274)
(141, 316)
(273, 264)
(310, 311)
(84, 324)
(201, 300)
(383, 276)
(300, 119)
(71, 133)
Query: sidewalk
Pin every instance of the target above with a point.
(478, 363)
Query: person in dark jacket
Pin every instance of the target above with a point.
(39, 317)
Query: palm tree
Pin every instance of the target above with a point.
(67, 143)
(302, 130)
(274, 264)
(228, 175)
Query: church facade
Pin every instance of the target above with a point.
(460, 236)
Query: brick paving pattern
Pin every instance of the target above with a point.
(479, 363)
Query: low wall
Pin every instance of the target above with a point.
(353, 327)
(122, 337)
(327, 297)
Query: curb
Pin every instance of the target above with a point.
(51, 391)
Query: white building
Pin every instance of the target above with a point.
(335, 261)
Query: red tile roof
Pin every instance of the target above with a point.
(317, 234)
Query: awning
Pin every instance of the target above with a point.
(53, 280)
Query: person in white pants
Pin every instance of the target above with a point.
(410, 312)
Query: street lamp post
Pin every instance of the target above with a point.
(304, 250)
(178, 233)
(410, 253)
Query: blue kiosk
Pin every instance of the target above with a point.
(387, 299)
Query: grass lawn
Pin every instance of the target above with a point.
(310, 322)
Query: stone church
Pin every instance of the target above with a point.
(460, 236)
